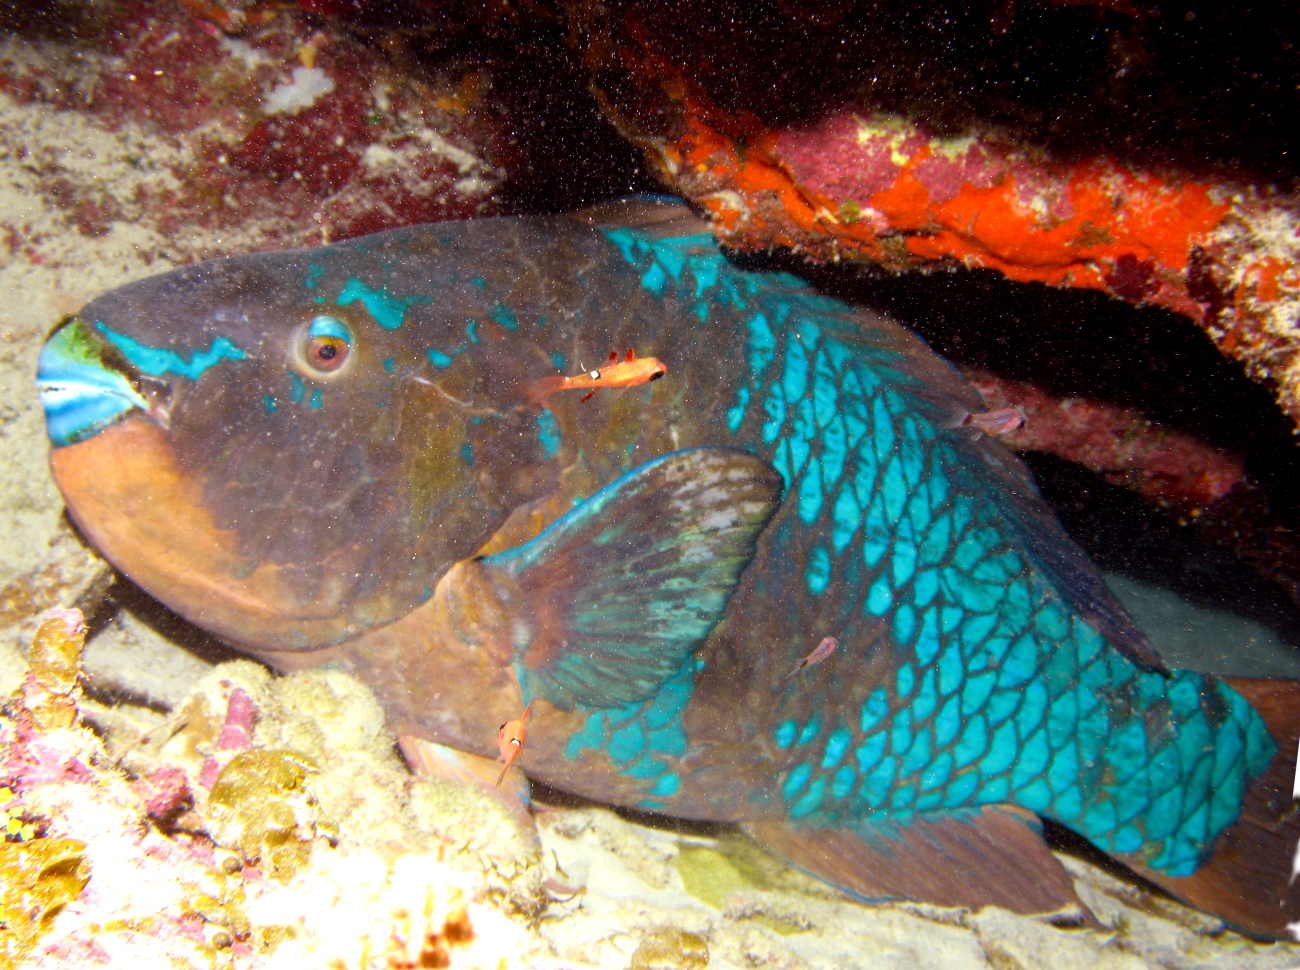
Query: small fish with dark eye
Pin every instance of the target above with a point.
(629, 372)
(361, 455)
(510, 741)
(820, 652)
(999, 422)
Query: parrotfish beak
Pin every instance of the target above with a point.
(84, 385)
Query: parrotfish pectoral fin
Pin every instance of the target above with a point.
(616, 594)
(992, 856)
(1249, 878)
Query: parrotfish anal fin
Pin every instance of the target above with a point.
(617, 593)
(1248, 879)
(655, 215)
(1074, 576)
(992, 856)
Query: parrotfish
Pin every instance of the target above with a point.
(336, 455)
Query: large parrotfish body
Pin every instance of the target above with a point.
(333, 455)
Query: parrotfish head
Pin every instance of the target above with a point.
(277, 467)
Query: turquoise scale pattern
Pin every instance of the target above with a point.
(998, 691)
(640, 738)
(1001, 693)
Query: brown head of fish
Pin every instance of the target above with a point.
(307, 453)
(288, 470)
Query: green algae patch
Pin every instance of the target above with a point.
(710, 876)
(713, 874)
(37, 879)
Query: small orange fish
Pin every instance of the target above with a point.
(631, 371)
(820, 653)
(510, 741)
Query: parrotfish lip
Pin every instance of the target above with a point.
(82, 388)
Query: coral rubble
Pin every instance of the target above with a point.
(211, 839)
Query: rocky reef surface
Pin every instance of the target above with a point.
(166, 804)
(264, 821)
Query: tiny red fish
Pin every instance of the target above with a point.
(631, 371)
(510, 741)
(999, 422)
(820, 653)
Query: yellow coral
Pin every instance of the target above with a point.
(54, 669)
(37, 879)
(16, 828)
(260, 806)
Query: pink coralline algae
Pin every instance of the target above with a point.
(88, 818)
(118, 856)
(237, 731)
(854, 181)
(302, 130)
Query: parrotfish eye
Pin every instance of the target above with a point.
(655, 375)
(325, 346)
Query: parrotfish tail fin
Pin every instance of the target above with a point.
(656, 215)
(617, 593)
(1250, 879)
(1007, 482)
(993, 856)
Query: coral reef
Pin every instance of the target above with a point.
(206, 840)
(300, 130)
(862, 182)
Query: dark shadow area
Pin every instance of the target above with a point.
(1204, 87)
(130, 597)
(555, 798)
(563, 153)
(1124, 534)
(1070, 842)
(58, 20)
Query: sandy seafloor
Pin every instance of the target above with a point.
(748, 909)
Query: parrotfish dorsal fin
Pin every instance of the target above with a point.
(616, 594)
(992, 856)
(1074, 576)
(940, 391)
(656, 215)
